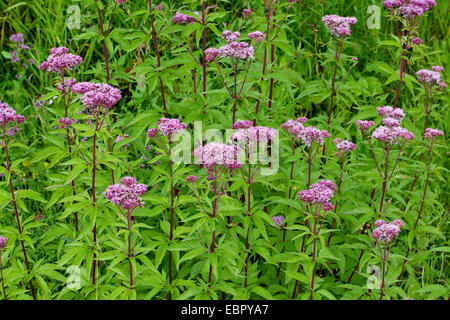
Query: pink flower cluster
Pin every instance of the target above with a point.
(257, 35)
(191, 178)
(390, 132)
(218, 154)
(338, 26)
(409, 8)
(428, 76)
(278, 220)
(3, 241)
(416, 41)
(431, 77)
(308, 135)
(9, 115)
(241, 50)
(364, 125)
(252, 135)
(17, 38)
(386, 232)
(235, 49)
(59, 60)
(431, 133)
(119, 138)
(319, 193)
(151, 133)
(242, 124)
(344, 146)
(247, 13)
(94, 95)
(211, 54)
(180, 18)
(169, 126)
(65, 123)
(127, 193)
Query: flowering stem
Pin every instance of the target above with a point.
(158, 60)
(427, 114)
(383, 194)
(105, 51)
(282, 250)
(171, 215)
(1, 277)
(402, 67)
(291, 176)
(247, 248)
(272, 60)
(66, 113)
(268, 18)
(384, 258)
(129, 248)
(16, 212)
(204, 62)
(421, 203)
(337, 202)
(314, 258)
(337, 55)
(362, 250)
(217, 193)
(304, 237)
(235, 67)
(94, 230)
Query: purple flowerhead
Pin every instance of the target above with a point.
(211, 54)
(17, 38)
(257, 36)
(339, 27)
(417, 41)
(429, 76)
(216, 154)
(230, 36)
(59, 60)
(151, 133)
(14, 57)
(344, 146)
(3, 242)
(294, 126)
(191, 178)
(431, 133)
(364, 125)
(181, 18)
(386, 232)
(278, 220)
(170, 126)
(242, 124)
(126, 194)
(247, 13)
(8, 115)
(249, 138)
(97, 95)
(319, 193)
(65, 123)
(240, 50)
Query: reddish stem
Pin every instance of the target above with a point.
(155, 43)
(129, 249)
(204, 62)
(16, 212)
(1, 277)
